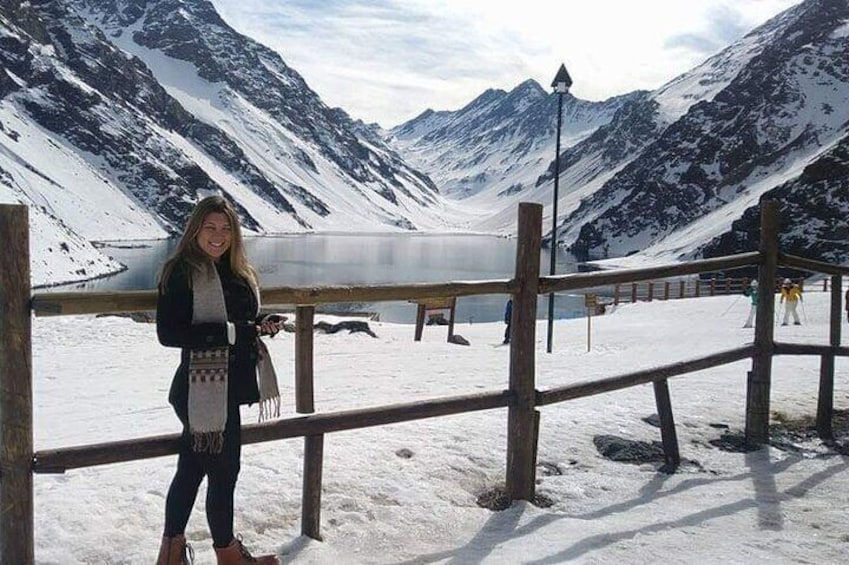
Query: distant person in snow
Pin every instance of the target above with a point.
(752, 292)
(508, 315)
(791, 295)
(208, 306)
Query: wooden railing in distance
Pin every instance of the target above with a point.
(649, 291)
(578, 281)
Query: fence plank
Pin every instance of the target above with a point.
(67, 303)
(760, 377)
(599, 386)
(16, 484)
(311, 499)
(521, 438)
(62, 459)
(304, 317)
(420, 322)
(809, 349)
(825, 399)
(671, 455)
(813, 266)
(305, 404)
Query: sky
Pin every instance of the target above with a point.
(386, 61)
(406, 493)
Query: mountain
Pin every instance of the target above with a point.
(118, 115)
(678, 172)
(497, 149)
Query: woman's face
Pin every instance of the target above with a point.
(215, 235)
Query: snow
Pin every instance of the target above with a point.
(104, 379)
(69, 205)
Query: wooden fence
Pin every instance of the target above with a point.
(19, 459)
(688, 288)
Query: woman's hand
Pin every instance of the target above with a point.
(269, 328)
(271, 325)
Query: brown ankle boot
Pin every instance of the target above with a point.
(175, 551)
(237, 554)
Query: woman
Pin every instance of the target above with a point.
(209, 306)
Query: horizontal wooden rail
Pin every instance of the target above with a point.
(109, 302)
(591, 388)
(577, 281)
(60, 460)
(806, 349)
(68, 303)
(812, 265)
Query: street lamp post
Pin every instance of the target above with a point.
(562, 82)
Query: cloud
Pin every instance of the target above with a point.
(724, 25)
(389, 60)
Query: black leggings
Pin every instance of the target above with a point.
(221, 471)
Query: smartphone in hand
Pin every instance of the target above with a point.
(271, 324)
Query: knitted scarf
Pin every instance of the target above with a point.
(208, 369)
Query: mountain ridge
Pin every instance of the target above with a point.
(667, 174)
(150, 104)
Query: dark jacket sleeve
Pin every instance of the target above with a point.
(174, 317)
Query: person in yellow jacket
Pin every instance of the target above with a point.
(792, 294)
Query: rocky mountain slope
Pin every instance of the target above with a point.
(678, 172)
(119, 114)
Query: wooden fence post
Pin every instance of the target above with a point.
(420, 321)
(759, 380)
(633, 292)
(521, 417)
(668, 436)
(825, 400)
(451, 319)
(651, 290)
(304, 319)
(305, 404)
(682, 284)
(616, 295)
(16, 491)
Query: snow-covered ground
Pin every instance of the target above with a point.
(101, 379)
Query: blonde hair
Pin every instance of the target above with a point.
(189, 251)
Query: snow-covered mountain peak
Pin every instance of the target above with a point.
(675, 172)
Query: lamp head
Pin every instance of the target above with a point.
(562, 81)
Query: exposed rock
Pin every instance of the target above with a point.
(459, 340)
(353, 326)
(627, 450)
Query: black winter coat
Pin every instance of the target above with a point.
(175, 329)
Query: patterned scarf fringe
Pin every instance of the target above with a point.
(269, 408)
(208, 442)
